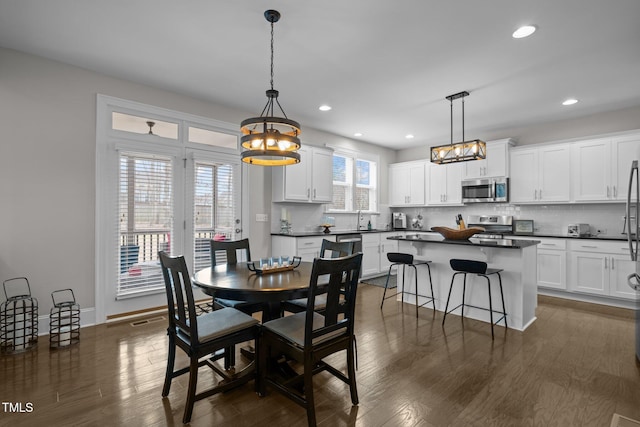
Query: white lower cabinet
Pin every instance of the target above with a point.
(306, 247)
(552, 262)
(386, 247)
(375, 247)
(370, 254)
(600, 268)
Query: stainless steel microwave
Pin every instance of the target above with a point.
(485, 190)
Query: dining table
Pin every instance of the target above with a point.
(239, 282)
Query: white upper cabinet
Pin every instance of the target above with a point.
(495, 165)
(407, 184)
(591, 163)
(624, 151)
(601, 168)
(309, 181)
(444, 184)
(541, 175)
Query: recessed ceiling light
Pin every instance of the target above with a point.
(409, 136)
(570, 101)
(358, 134)
(524, 31)
(324, 107)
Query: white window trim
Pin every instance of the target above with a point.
(106, 199)
(358, 155)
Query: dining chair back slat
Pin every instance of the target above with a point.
(309, 337)
(201, 337)
(230, 250)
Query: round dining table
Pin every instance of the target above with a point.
(238, 282)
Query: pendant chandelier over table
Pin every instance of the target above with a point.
(270, 140)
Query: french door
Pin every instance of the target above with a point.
(158, 192)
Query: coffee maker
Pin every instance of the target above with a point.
(399, 221)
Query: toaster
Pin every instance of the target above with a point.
(578, 230)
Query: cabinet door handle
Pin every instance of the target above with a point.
(613, 266)
(314, 193)
(608, 194)
(535, 194)
(615, 192)
(308, 192)
(547, 244)
(540, 194)
(606, 264)
(587, 246)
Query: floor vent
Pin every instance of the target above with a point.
(147, 321)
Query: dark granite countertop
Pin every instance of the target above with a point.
(473, 241)
(428, 233)
(320, 233)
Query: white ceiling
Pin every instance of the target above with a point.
(384, 66)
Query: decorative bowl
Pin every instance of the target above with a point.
(455, 234)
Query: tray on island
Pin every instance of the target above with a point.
(267, 269)
(456, 234)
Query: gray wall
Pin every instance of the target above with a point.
(47, 166)
(47, 170)
(596, 124)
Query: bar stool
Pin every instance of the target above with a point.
(479, 268)
(397, 259)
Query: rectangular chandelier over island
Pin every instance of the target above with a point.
(460, 151)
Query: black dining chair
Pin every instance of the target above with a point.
(226, 252)
(328, 249)
(309, 337)
(201, 337)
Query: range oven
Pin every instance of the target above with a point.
(485, 190)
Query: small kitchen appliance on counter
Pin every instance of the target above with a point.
(399, 221)
(495, 226)
(578, 230)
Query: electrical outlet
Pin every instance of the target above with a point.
(262, 218)
(601, 231)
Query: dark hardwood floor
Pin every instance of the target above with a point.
(575, 366)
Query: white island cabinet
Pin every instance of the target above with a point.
(518, 259)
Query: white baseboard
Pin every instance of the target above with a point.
(87, 318)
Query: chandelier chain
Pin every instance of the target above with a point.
(272, 55)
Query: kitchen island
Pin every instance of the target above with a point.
(517, 258)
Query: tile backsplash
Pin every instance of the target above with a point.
(548, 219)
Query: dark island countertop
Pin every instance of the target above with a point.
(426, 232)
(473, 241)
